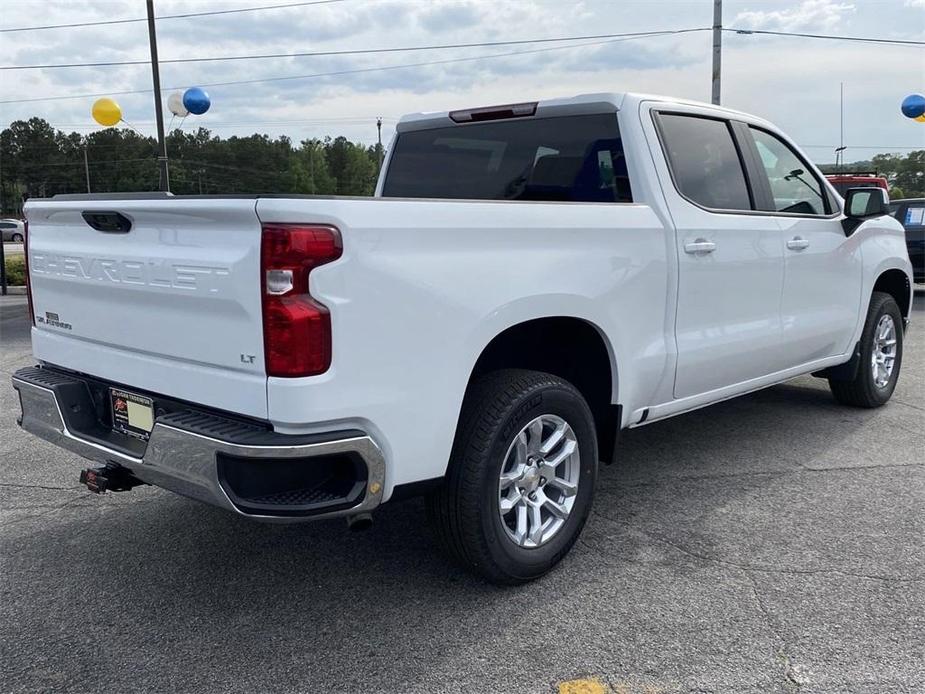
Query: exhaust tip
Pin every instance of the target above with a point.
(359, 521)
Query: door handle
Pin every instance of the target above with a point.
(797, 243)
(700, 245)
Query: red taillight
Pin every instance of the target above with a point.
(25, 255)
(296, 328)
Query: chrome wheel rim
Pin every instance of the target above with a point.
(539, 481)
(883, 355)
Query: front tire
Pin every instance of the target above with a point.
(521, 477)
(881, 357)
(17, 238)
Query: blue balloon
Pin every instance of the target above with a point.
(913, 106)
(196, 100)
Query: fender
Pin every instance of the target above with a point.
(538, 307)
(884, 267)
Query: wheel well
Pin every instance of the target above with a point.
(567, 347)
(896, 284)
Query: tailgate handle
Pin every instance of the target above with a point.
(110, 222)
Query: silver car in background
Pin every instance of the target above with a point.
(13, 230)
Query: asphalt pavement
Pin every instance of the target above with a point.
(772, 543)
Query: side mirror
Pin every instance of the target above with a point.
(864, 203)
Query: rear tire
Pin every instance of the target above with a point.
(881, 357)
(525, 439)
(17, 238)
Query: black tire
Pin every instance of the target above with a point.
(17, 238)
(863, 391)
(465, 510)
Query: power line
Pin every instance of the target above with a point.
(169, 16)
(231, 167)
(830, 37)
(486, 44)
(141, 143)
(91, 162)
(142, 140)
(338, 73)
(914, 147)
(246, 124)
(359, 51)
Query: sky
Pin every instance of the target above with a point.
(794, 82)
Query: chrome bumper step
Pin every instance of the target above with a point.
(187, 450)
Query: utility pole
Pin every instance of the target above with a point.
(717, 49)
(158, 107)
(379, 128)
(87, 169)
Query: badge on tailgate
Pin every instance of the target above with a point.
(132, 414)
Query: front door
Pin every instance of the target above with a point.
(822, 266)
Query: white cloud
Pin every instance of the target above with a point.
(793, 82)
(809, 14)
(915, 3)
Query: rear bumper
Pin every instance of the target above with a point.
(240, 466)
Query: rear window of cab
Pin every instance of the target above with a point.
(565, 158)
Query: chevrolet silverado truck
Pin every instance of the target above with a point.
(527, 281)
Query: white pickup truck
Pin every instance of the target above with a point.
(527, 281)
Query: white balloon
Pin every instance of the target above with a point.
(175, 104)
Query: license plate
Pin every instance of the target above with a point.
(132, 414)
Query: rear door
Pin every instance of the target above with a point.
(169, 303)
(823, 271)
(730, 261)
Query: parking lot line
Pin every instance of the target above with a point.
(583, 686)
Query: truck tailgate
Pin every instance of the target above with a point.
(171, 306)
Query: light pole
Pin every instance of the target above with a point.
(379, 128)
(839, 151)
(158, 107)
(838, 158)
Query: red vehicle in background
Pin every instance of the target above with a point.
(857, 179)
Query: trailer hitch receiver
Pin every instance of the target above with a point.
(111, 478)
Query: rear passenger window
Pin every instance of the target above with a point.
(704, 161)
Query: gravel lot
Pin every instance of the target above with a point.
(773, 543)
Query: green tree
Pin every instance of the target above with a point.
(904, 172)
(38, 160)
(352, 167)
(309, 173)
(120, 160)
(34, 162)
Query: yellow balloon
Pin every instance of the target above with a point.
(921, 119)
(106, 112)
